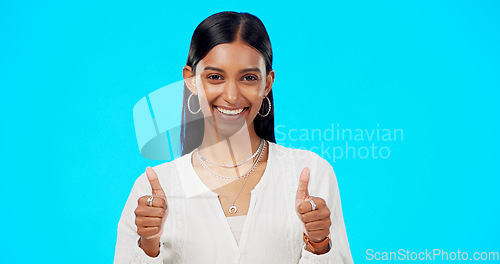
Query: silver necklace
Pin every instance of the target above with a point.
(208, 169)
(233, 208)
(231, 165)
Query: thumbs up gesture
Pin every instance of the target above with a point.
(150, 215)
(316, 222)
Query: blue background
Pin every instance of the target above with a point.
(71, 72)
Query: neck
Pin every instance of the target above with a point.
(230, 149)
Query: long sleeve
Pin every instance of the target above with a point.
(127, 248)
(196, 229)
(323, 183)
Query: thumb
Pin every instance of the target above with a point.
(302, 191)
(155, 183)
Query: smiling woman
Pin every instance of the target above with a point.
(231, 83)
(235, 196)
(221, 44)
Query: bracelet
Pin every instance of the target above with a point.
(313, 246)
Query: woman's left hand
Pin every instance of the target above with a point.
(316, 223)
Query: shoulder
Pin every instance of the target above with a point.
(322, 176)
(295, 155)
(168, 174)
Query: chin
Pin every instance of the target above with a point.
(226, 129)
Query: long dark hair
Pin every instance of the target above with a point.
(219, 28)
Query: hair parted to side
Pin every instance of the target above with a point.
(219, 28)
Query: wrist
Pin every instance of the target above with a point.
(150, 246)
(321, 250)
(317, 248)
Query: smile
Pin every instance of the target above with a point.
(231, 112)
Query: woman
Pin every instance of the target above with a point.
(235, 196)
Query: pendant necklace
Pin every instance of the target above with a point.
(233, 208)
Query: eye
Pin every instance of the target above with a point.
(214, 77)
(250, 78)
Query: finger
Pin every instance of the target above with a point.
(154, 182)
(302, 191)
(148, 232)
(158, 201)
(306, 206)
(149, 211)
(148, 221)
(315, 215)
(322, 224)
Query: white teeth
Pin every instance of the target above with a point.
(230, 112)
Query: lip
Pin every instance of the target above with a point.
(229, 108)
(229, 117)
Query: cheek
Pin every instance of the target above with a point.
(204, 99)
(207, 94)
(256, 104)
(255, 96)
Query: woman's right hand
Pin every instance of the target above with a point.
(150, 219)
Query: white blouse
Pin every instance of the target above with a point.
(236, 224)
(196, 229)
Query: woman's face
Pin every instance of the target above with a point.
(231, 84)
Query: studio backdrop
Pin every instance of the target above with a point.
(400, 97)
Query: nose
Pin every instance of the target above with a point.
(231, 93)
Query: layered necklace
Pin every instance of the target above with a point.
(204, 163)
(231, 165)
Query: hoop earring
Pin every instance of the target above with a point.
(268, 110)
(189, 107)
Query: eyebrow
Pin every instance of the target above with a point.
(221, 70)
